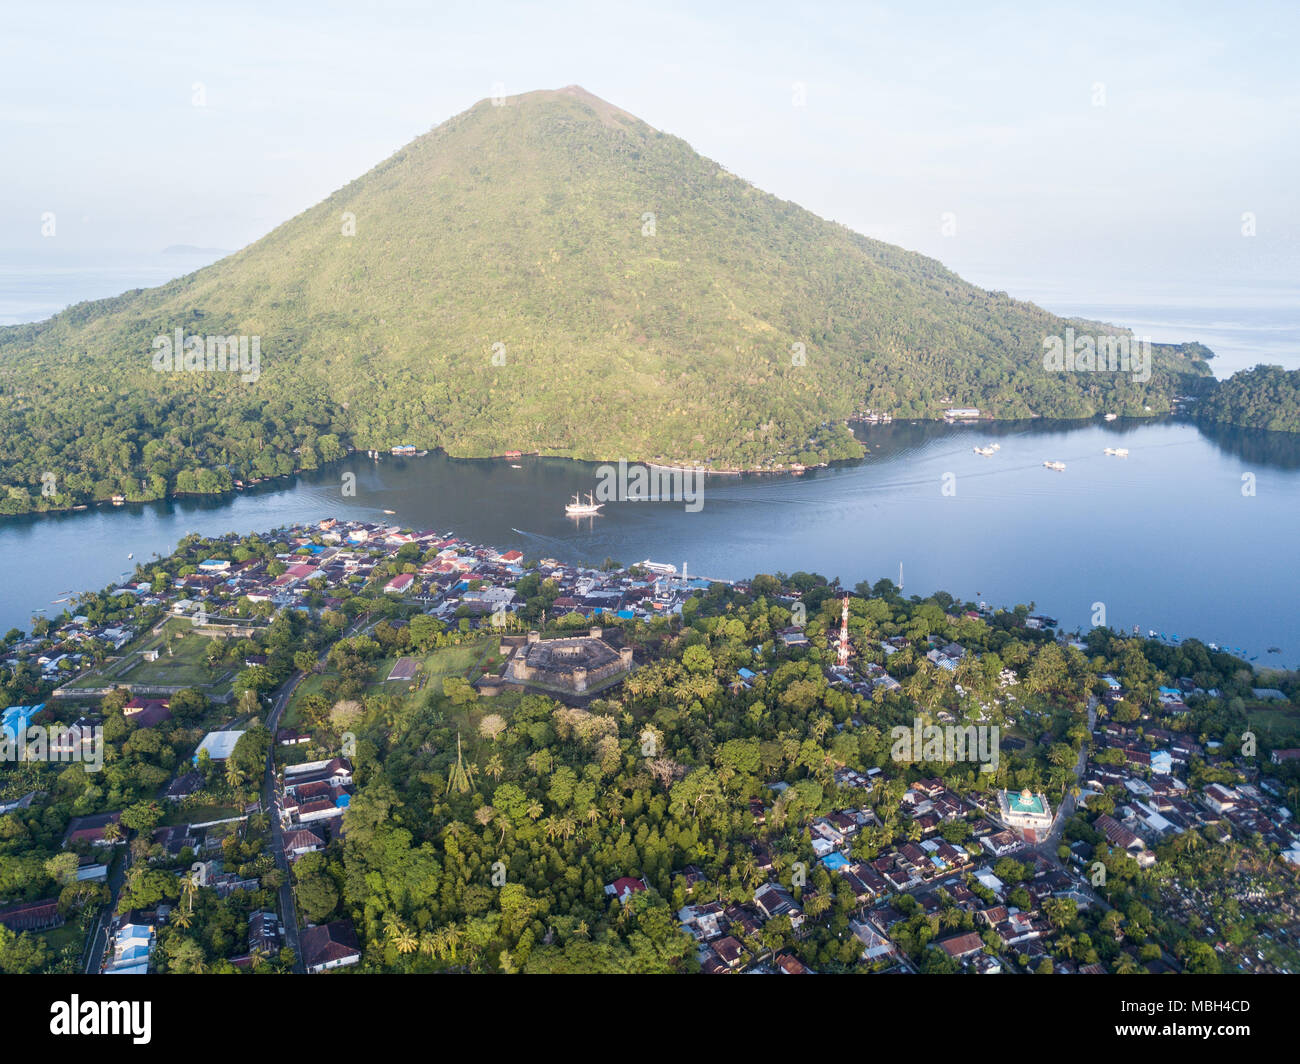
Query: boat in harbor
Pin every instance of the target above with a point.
(577, 508)
(1058, 466)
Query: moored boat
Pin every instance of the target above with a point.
(577, 508)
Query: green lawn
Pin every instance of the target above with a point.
(1278, 721)
(200, 815)
(184, 666)
(70, 934)
(463, 661)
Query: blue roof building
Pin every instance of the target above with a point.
(18, 719)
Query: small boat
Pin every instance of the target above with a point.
(130, 556)
(578, 508)
(987, 452)
(515, 465)
(1118, 452)
(1058, 466)
(390, 511)
(1111, 417)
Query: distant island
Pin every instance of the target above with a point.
(550, 275)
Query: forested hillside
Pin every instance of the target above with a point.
(551, 275)
(1266, 397)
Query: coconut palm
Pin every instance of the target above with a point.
(405, 940)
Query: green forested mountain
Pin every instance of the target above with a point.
(1266, 397)
(551, 274)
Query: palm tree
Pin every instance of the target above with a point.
(495, 767)
(405, 940)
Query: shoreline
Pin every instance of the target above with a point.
(795, 469)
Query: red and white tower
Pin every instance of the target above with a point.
(844, 632)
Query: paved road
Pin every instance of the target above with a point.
(1066, 808)
(99, 938)
(288, 910)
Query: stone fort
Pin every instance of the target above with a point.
(570, 663)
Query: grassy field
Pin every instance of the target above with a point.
(184, 666)
(467, 660)
(70, 934)
(1279, 722)
(200, 815)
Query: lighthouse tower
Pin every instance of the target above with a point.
(844, 633)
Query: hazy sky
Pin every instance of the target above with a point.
(1088, 148)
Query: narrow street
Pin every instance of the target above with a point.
(288, 910)
(99, 937)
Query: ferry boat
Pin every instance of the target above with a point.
(579, 508)
(1058, 466)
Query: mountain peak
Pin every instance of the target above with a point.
(608, 113)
